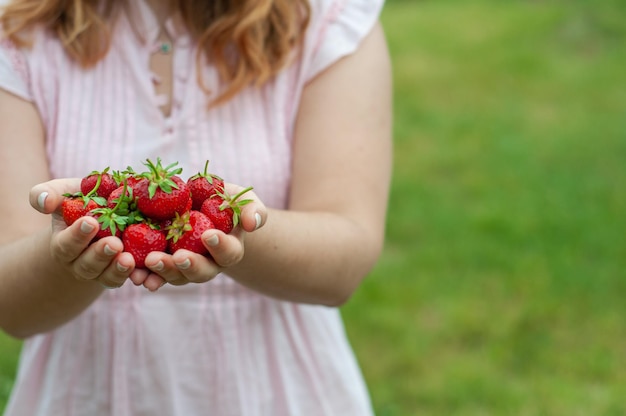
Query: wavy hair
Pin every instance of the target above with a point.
(263, 34)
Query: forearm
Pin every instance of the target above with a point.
(35, 295)
(311, 257)
(321, 249)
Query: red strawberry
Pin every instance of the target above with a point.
(203, 185)
(74, 207)
(189, 205)
(160, 194)
(140, 240)
(225, 210)
(114, 196)
(101, 183)
(186, 230)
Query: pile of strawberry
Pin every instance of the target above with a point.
(155, 210)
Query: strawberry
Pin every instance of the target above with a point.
(79, 204)
(160, 194)
(141, 239)
(114, 197)
(139, 207)
(186, 230)
(102, 183)
(188, 207)
(203, 185)
(74, 207)
(225, 210)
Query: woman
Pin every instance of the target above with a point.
(291, 97)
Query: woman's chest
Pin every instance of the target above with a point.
(113, 115)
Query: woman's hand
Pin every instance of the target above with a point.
(103, 261)
(225, 250)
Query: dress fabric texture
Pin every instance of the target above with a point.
(209, 349)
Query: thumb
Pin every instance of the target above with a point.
(47, 197)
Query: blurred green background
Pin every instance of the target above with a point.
(500, 291)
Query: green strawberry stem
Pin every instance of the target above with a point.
(121, 198)
(179, 226)
(109, 217)
(233, 203)
(120, 176)
(86, 198)
(160, 177)
(205, 174)
(98, 181)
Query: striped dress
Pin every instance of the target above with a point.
(211, 349)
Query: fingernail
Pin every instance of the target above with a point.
(213, 240)
(121, 268)
(85, 227)
(109, 251)
(41, 200)
(159, 266)
(258, 219)
(184, 265)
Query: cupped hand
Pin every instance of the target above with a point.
(225, 250)
(103, 261)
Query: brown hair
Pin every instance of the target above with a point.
(262, 33)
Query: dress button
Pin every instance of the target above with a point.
(156, 79)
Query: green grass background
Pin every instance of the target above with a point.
(500, 290)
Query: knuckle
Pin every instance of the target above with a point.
(200, 271)
(113, 274)
(230, 252)
(111, 283)
(173, 278)
(200, 278)
(230, 258)
(86, 270)
(60, 252)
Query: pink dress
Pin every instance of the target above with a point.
(211, 349)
